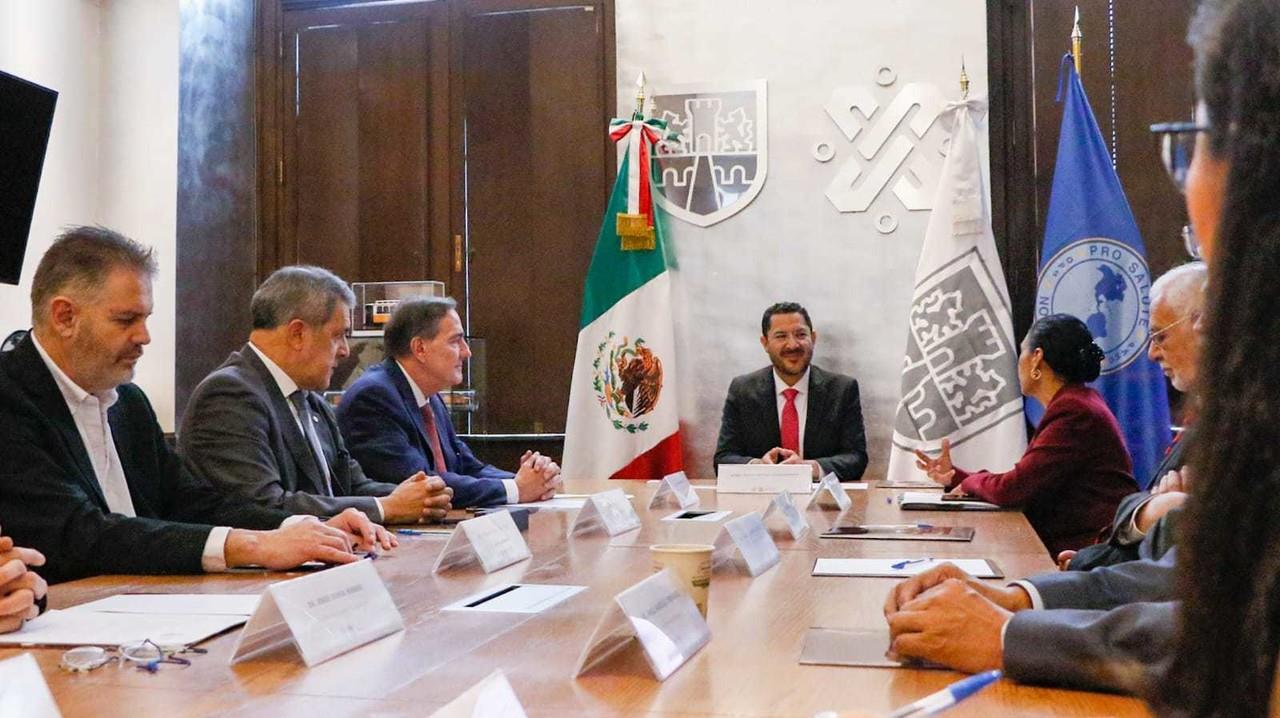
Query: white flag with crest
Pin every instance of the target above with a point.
(960, 372)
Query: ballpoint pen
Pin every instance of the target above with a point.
(947, 697)
(908, 562)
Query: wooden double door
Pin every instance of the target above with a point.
(456, 140)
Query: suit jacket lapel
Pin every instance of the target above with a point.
(768, 399)
(35, 378)
(814, 405)
(294, 440)
(401, 383)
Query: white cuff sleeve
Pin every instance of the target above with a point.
(295, 519)
(513, 491)
(382, 514)
(214, 558)
(1131, 534)
(1037, 603)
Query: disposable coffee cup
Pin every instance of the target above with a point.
(691, 565)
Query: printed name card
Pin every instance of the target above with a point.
(749, 537)
(783, 505)
(829, 489)
(23, 690)
(610, 510)
(492, 697)
(493, 539)
(661, 617)
(764, 478)
(675, 488)
(324, 614)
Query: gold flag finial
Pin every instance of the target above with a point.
(964, 80)
(639, 96)
(1077, 39)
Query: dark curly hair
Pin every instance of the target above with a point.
(1068, 347)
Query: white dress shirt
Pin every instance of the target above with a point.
(89, 411)
(802, 401)
(287, 387)
(513, 490)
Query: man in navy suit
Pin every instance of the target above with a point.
(791, 411)
(395, 424)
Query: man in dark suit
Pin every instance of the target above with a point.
(792, 411)
(86, 477)
(395, 423)
(257, 429)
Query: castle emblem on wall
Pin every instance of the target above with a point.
(718, 162)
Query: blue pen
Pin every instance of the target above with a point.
(903, 564)
(947, 697)
(411, 532)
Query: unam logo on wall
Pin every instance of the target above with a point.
(886, 156)
(719, 160)
(1104, 283)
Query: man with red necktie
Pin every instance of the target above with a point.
(793, 412)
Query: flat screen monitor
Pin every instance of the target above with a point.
(26, 116)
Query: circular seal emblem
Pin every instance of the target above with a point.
(627, 378)
(1104, 283)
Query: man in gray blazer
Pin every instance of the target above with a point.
(256, 427)
(791, 411)
(1108, 629)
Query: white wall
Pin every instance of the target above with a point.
(113, 151)
(791, 243)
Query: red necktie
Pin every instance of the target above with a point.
(790, 421)
(433, 436)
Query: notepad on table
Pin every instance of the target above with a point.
(924, 501)
(901, 567)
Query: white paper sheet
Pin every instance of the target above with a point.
(206, 604)
(929, 500)
(516, 598)
(708, 518)
(900, 567)
(94, 628)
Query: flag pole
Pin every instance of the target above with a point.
(964, 80)
(639, 113)
(1077, 39)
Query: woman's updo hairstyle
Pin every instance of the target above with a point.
(1068, 347)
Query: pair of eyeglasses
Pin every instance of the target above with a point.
(146, 655)
(1177, 142)
(1159, 336)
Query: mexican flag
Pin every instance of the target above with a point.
(623, 420)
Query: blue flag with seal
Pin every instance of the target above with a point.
(1094, 266)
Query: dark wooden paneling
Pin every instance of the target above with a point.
(217, 183)
(394, 202)
(537, 180)
(323, 161)
(1012, 152)
(359, 118)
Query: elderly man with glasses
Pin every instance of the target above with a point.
(1177, 299)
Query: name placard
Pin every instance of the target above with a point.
(23, 690)
(492, 697)
(675, 489)
(610, 510)
(493, 539)
(749, 537)
(323, 615)
(829, 490)
(783, 505)
(764, 478)
(657, 614)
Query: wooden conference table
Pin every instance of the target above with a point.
(749, 668)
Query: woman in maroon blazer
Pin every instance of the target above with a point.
(1076, 468)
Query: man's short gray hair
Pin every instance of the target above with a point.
(1183, 286)
(79, 261)
(299, 292)
(414, 317)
